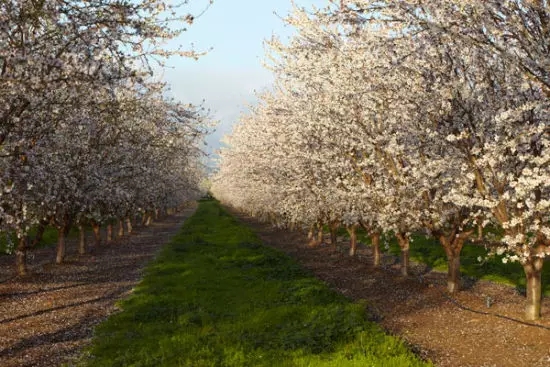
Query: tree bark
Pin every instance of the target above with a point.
(120, 228)
(479, 232)
(453, 243)
(81, 240)
(310, 236)
(39, 234)
(352, 230)
(404, 245)
(96, 228)
(129, 227)
(21, 257)
(334, 232)
(375, 241)
(533, 271)
(453, 273)
(109, 233)
(315, 240)
(60, 256)
(453, 261)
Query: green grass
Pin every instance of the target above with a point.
(216, 296)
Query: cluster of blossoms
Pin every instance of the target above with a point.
(406, 117)
(86, 135)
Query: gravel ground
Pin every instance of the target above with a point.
(47, 318)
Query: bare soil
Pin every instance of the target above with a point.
(480, 326)
(47, 318)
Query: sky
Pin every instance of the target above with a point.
(226, 78)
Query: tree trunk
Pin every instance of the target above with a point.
(452, 246)
(96, 228)
(120, 228)
(39, 234)
(375, 241)
(352, 230)
(334, 232)
(81, 240)
(310, 242)
(129, 227)
(533, 270)
(60, 256)
(453, 273)
(405, 255)
(404, 244)
(109, 233)
(453, 243)
(479, 232)
(21, 256)
(315, 240)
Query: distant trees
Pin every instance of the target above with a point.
(404, 117)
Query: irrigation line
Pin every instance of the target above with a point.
(466, 308)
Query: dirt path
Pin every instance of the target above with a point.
(47, 318)
(459, 331)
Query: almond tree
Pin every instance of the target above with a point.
(512, 168)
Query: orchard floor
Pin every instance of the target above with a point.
(47, 318)
(452, 332)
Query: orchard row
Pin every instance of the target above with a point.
(406, 117)
(87, 135)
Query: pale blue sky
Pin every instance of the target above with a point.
(228, 75)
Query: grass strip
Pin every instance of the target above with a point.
(216, 296)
